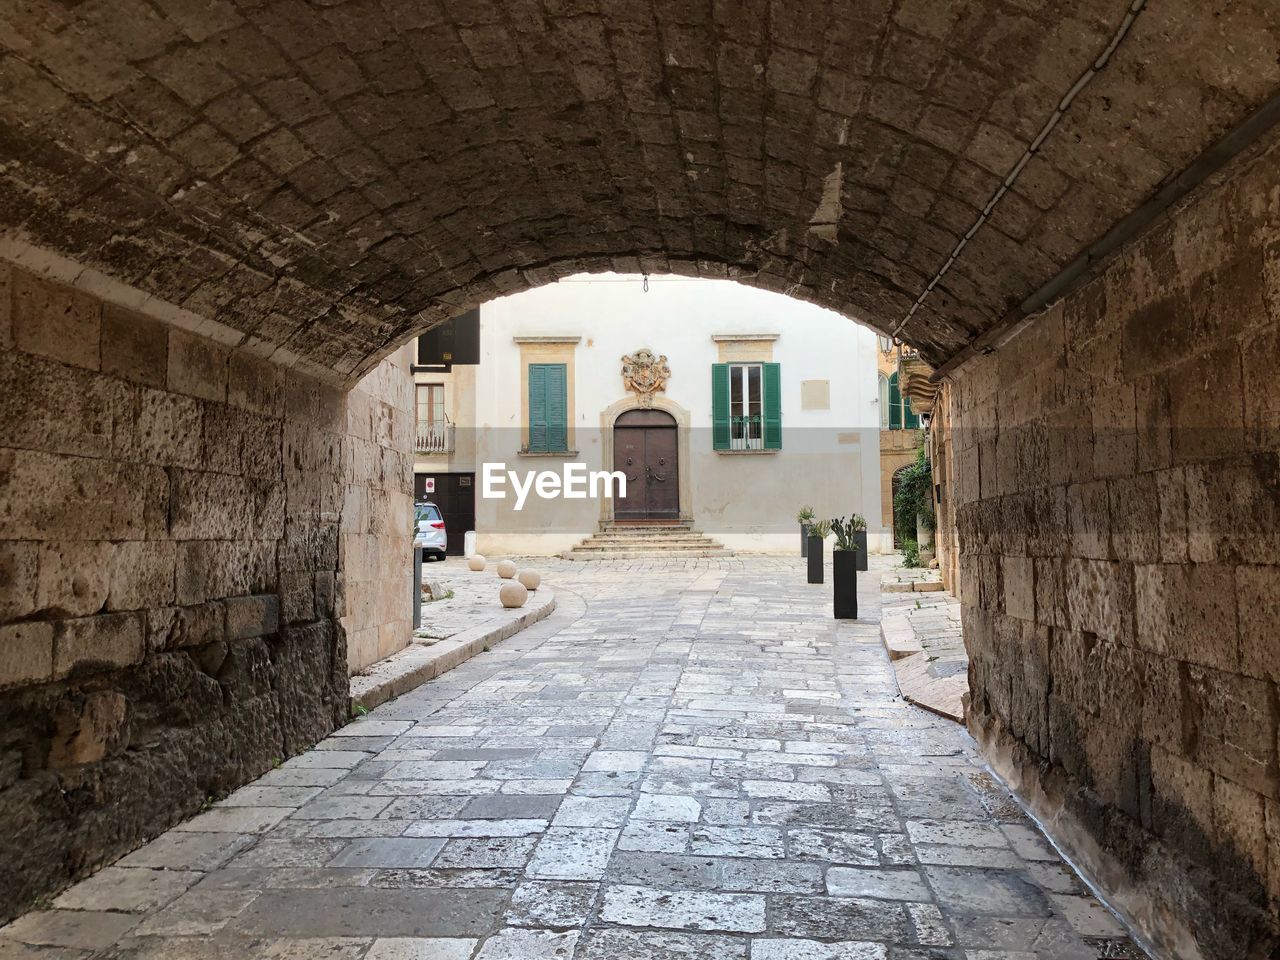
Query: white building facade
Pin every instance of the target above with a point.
(739, 406)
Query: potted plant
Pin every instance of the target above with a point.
(859, 523)
(804, 517)
(844, 566)
(818, 531)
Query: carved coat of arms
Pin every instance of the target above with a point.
(644, 374)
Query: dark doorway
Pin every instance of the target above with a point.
(644, 448)
(455, 495)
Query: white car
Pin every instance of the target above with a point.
(430, 533)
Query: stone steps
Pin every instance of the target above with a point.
(623, 541)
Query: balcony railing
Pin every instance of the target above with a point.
(435, 436)
(746, 433)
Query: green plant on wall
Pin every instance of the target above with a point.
(805, 515)
(914, 498)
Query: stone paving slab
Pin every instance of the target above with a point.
(454, 630)
(924, 639)
(654, 772)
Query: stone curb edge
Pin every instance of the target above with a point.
(907, 657)
(416, 664)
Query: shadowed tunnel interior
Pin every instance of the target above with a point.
(216, 218)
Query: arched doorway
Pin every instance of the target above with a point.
(645, 450)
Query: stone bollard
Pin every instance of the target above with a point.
(530, 578)
(513, 594)
(475, 562)
(506, 569)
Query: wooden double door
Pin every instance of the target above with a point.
(645, 450)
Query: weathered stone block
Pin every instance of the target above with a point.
(1154, 428)
(1089, 517)
(1182, 811)
(297, 596)
(1257, 591)
(26, 653)
(105, 641)
(53, 497)
(214, 569)
(1134, 511)
(1233, 510)
(47, 405)
(1206, 406)
(134, 346)
(1018, 574)
(210, 506)
(193, 626)
(1261, 389)
(1240, 824)
(56, 321)
(161, 428)
(89, 730)
(1115, 446)
(1188, 612)
(74, 577)
(252, 616)
(142, 575)
(6, 305)
(1237, 728)
(1100, 598)
(197, 366)
(1051, 593)
(1171, 493)
(17, 579)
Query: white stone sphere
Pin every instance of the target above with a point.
(513, 594)
(506, 569)
(476, 562)
(530, 578)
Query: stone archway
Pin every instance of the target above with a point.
(217, 218)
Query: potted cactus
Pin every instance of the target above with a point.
(804, 517)
(818, 531)
(844, 566)
(859, 523)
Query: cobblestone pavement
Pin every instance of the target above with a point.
(688, 759)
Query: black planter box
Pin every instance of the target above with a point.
(844, 577)
(860, 538)
(804, 539)
(815, 559)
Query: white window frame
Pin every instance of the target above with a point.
(744, 434)
(434, 393)
(884, 402)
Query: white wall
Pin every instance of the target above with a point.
(830, 458)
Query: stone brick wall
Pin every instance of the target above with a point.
(1118, 491)
(171, 571)
(376, 543)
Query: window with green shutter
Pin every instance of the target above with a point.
(900, 415)
(746, 406)
(548, 408)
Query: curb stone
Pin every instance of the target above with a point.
(416, 664)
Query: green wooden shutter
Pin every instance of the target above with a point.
(909, 420)
(557, 407)
(895, 404)
(538, 406)
(772, 406)
(720, 406)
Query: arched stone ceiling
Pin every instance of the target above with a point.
(332, 176)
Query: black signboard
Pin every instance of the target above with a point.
(453, 342)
